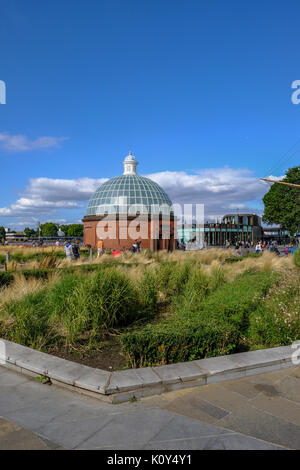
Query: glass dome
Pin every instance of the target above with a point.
(129, 194)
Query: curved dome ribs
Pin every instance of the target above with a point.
(123, 193)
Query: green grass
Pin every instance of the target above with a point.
(205, 321)
(5, 278)
(297, 258)
(240, 258)
(103, 300)
(276, 322)
(26, 256)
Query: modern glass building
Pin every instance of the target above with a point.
(232, 228)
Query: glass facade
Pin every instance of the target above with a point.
(232, 229)
(129, 194)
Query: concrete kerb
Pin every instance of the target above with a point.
(120, 386)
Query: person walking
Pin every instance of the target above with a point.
(76, 250)
(99, 247)
(274, 249)
(69, 251)
(258, 248)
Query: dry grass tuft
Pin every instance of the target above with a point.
(25, 251)
(19, 288)
(268, 262)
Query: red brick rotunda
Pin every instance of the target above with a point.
(127, 208)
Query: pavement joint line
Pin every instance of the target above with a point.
(164, 425)
(203, 436)
(232, 433)
(52, 444)
(219, 425)
(249, 435)
(218, 406)
(274, 416)
(170, 377)
(93, 434)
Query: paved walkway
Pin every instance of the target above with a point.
(260, 412)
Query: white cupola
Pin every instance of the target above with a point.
(130, 165)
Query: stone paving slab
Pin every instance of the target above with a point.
(124, 381)
(224, 442)
(96, 380)
(264, 406)
(279, 407)
(263, 425)
(14, 437)
(181, 372)
(73, 421)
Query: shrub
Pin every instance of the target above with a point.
(200, 326)
(297, 257)
(236, 259)
(112, 299)
(196, 288)
(35, 273)
(277, 321)
(183, 340)
(30, 327)
(5, 278)
(75, 304)
(148, 295)
(171, 277)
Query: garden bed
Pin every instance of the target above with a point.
(153, 309)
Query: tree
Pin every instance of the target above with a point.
(49, 229)
(75, 230)
(2, 233)
(282, 203)
(29, 232)
(72, 230)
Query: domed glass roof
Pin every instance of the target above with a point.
(129, 194)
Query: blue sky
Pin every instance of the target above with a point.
(200, 91)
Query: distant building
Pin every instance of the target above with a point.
(232, 228)
(133, 208)
(278, 234)
(15, 237)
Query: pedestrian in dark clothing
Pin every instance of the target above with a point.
(76, 250)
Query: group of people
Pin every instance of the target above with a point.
(38, 243)
(72, 251)
(261, 247)
(290, 249)
(135, 248)
(273, 247)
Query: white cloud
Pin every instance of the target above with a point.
(21, 143)
(44, 196)
(63, 190)
(221, 190)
